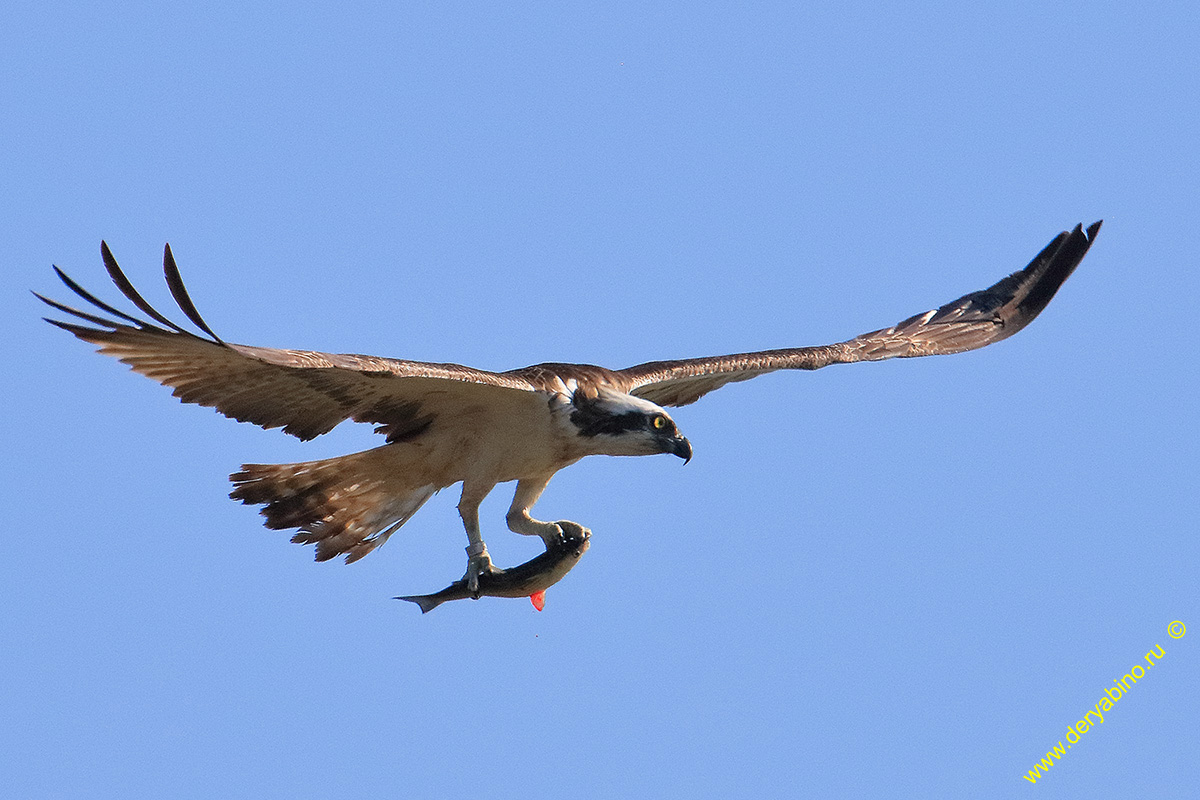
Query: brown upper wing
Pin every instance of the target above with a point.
(306, 393)
(970, 322)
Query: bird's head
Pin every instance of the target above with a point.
(617, 424)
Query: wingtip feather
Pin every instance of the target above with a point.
(80, 331)
(126, 286)
(1049, 271)
(180, 293)
(71, 284)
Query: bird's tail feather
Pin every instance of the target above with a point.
(342, 505)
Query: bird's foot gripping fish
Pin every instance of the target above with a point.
(530, 579)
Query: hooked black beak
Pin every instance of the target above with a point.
(682, 448)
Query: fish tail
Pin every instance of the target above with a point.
(427, 602)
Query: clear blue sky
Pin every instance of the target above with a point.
(896, 579)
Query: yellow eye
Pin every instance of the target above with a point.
(659, 423)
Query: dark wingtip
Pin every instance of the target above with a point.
(182, 299)
(81, 331)
(1050, 270)
(126, 286)
(174, 283)
(112, 267)
(89, 297)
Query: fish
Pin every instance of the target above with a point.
(530, 579)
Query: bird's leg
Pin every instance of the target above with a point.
(519, 521)
(478, 560)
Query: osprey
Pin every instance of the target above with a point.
(446, 424)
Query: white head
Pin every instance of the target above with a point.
(617, 424)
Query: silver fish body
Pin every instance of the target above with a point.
(523, 580)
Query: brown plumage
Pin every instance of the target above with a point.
(447, 423)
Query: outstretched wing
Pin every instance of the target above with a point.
(970, 322)
(306, 393)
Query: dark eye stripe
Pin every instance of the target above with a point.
(592, 422)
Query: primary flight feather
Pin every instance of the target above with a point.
(446, 423)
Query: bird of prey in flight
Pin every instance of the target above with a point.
(445, 424)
